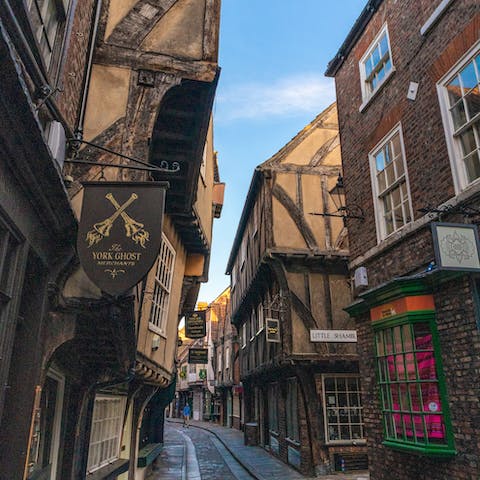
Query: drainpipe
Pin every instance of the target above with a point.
(88, 70)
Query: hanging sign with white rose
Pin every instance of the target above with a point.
(456, 246)
(120, 232)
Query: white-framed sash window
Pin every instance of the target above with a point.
(391, 192)
(106, 433)
(459, 95)
(162, 288)
(376, 64)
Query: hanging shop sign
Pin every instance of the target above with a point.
(198, 355)
(120, 232)
(340, 336)
(456, 246)
(195, 324)
(273, 330)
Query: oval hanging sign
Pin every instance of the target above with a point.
(120, 232)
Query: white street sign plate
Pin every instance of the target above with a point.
(340, 336)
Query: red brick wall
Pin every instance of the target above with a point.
(415, 58)
(424, 60)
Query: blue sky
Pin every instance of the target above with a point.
(273, 54)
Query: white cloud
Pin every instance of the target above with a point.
(288, 96)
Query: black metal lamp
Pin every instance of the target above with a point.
(338, 196)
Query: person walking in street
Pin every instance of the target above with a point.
(186, 415)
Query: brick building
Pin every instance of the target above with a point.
(288, 277)
(407, 79)
(84, 375)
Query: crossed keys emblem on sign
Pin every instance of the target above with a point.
(133, 229)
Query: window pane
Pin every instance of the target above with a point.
(382, 184)
(454, 91)
(472, 100)
(388, 65)
(467, 140)
(383, 45)
(390, 172)
(8, 266)
(368, 66)
(376, 56)
(458, 114)
(381, 74)
(468, 76)
(380, 161)
(472, 165)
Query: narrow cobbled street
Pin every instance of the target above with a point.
(209, 452)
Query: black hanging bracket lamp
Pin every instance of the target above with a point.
(344, 211)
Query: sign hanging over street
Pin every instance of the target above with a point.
(120, 232)
(195, 324)
(456, 246)
(340, 336)
(198, 355)
(273, 330)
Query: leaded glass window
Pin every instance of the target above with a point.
(343, 408)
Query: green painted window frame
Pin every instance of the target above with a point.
(408, 416)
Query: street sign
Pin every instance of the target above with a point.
(195, 324)
(340, 336)
(273, 330)
(120, 232)
(198, 355)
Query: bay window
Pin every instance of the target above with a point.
(412, 390)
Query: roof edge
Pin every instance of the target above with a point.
(358, 27)
(252, 193)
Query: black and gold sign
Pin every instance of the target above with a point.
(273, 330)
(120, 232)
(198, 355)
(195, 324)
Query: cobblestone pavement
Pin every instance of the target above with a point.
(195, 454)
(207, 451)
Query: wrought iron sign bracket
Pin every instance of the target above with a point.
(464, 210)
(74, 145)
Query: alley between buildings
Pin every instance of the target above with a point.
(206, 451)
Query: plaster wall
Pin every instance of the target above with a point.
(179, 33)
(285, 232)
(203, 204)
(117, 11)
(107, 99)
(164, 355)
(304, 152)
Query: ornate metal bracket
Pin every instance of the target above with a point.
(74, 146)
(464, 210)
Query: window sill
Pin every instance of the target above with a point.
(430, 451)
(153, 328)
(110, 472)
(340, 443)
(368, 100)
(295, 443)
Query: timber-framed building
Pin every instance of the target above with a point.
(289, 266)
(85, 376)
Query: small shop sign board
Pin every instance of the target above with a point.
(456, 246)
(120, 232)
(273, 330)
(339, 336)
(195, 324)
(198, 355)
